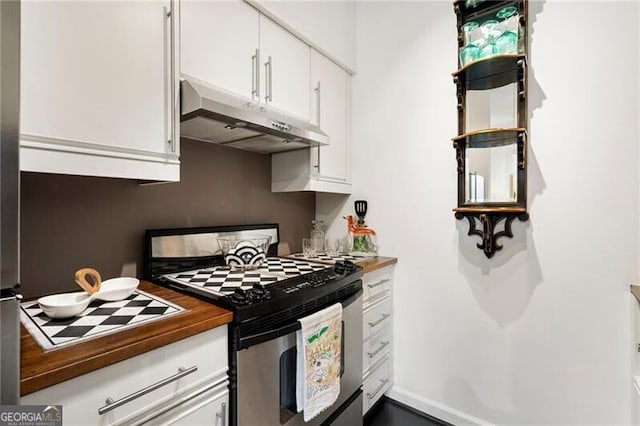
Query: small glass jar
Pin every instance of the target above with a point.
(507, 42)
(470, 52)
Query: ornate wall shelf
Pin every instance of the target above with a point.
(490, 219)
(491, 161)
(492, 72)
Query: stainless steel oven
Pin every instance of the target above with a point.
(266, 373)
(266, 303)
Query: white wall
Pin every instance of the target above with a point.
(540, 333)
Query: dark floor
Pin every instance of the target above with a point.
(388, 412)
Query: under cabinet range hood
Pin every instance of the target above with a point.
(212, 115)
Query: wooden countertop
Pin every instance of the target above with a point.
(378, 262)
(39, 369)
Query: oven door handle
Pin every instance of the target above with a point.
(256, 338)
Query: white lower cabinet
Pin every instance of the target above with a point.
(377, 335)
(185, 382)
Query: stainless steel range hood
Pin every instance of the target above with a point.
(212, 115)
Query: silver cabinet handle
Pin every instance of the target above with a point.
(375, 323)
(377, 351)
(373, 394)
(111, 404)
(222, 414)
(255, 75)
(317, 90)
(268, 71)
(379, 283)
(169, 128)
(317, 165)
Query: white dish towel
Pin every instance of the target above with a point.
(318, 363)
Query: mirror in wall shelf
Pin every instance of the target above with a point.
(491, 174)
(491, 89)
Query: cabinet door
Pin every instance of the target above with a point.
(285, 77)
(330, 113)
(97, 75)
(218, 41)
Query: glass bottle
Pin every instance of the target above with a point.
(470, 51)
(507, 42)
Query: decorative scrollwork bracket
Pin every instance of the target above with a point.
(489, 222)
(459, 147)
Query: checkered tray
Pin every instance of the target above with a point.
(99, 319)
(328, 258)
(222, 280)
(289, 267)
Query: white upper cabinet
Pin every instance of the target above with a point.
(229, 44)
(327, 168)
(330, 85)
(98, 89)
(284, 77)
(219, 42)
(326, 25)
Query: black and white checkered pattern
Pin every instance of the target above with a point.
(98, 319)
(222, 279)
(289, 267)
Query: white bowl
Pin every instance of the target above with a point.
(116, 289)
(65, 305)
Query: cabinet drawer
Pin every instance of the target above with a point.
(376, 348)
(376, 317)
(83, 396)
(207, 406)
(375, 284)
(376, 385)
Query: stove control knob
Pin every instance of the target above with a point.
(259, 292)
(349, 266)
(240, 297)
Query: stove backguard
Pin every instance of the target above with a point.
(174, 250)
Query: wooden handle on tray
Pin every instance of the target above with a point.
(89, 287)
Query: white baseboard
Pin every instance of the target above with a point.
(435, 409)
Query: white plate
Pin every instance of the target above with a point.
(116, 289)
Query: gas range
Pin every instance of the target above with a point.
(281, 288)
(267, 303)
(278, 284)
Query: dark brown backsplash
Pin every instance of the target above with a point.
(69, 222)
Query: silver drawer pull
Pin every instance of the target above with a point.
(375, 323)
(379, 283)
(377, 351)
(222, 414)
(373, 394)
(111, 404)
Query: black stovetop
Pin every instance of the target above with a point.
(269, 297)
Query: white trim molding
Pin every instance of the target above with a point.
(51, 155)
(435, 409)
